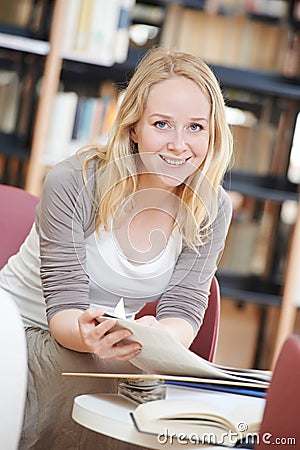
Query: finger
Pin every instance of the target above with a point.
(106, 326)
(90, 315)
(114, 338)
(129, 356)
(88, 324)
(125, 352)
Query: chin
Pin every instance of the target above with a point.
(170, 182)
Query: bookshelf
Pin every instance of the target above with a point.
(80, 51)
(256, 80)
(24, 44)
(23, 50)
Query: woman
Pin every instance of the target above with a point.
(142, 217)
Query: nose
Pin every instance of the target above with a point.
(178, 142)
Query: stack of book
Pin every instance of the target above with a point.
(220, 415)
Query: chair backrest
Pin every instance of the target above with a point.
(17, 211)
(205, 341)
(280, 423)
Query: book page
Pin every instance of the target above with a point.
(163, 353)
(211, 410)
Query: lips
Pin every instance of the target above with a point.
(175, 162)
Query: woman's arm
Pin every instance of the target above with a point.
(65, 212)
(181, 328)
(187, 295)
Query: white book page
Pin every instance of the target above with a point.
(163, 353)
(208, 412)
(234, 409)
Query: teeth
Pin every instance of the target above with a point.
(174, 162)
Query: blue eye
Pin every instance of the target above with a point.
(196, 127)
(161, 124)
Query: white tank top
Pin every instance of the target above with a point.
(109, 269)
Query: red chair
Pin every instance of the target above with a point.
(17, 211)
(205, 341)
(280, 424)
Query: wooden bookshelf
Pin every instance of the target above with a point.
(50, 83)
(24, 44)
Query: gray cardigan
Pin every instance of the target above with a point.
(66, 217)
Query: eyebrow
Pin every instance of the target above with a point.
(166, 116)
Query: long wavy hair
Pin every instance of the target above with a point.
(117, 175)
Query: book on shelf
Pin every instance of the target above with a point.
(60, 127)
(250, 229)
(71, 24)
(103, 26)
(77, 121)
(16, 12)
(84, 126)
(9, 100)
(98, 30)
(277, 9)
(226, 39)
(175, 362)
(28, 15)
(212, 418)
(253, 149)
(121, 38)
(83, 24)
(26, 104)
(242, 234)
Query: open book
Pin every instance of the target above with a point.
(162, 353)
(215, 419)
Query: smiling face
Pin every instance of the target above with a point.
(172, 133)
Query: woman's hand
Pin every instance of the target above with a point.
(177, 326)
(81, 332)
(105, 339)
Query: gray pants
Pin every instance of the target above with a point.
(47, 422)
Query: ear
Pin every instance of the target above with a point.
(133, 135)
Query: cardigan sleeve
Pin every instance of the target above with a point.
(64, 217)
(187, 294)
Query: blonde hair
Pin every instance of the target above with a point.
(117, 174)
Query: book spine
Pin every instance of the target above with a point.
(104, 23)
(61, 127)
(71, 24)
(122, 32)
(83, 25)
(227, 40)
(9, 100)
